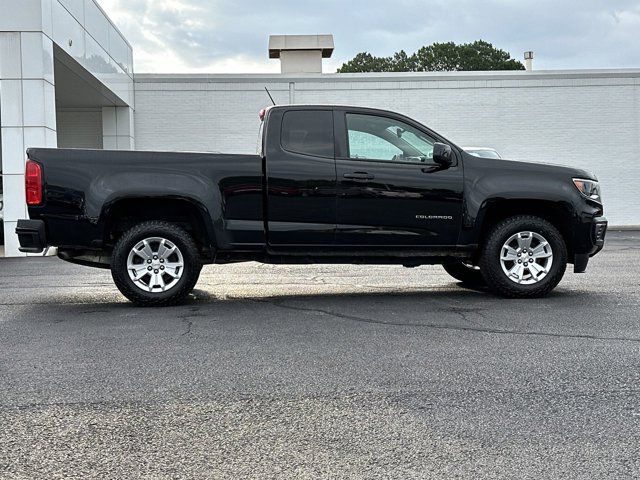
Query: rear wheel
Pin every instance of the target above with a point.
(523, 256)
(155, 264)
(464, 271)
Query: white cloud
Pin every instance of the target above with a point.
(221, 36)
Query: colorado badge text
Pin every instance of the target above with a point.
(434, 217)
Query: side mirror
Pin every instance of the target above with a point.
(442, 154)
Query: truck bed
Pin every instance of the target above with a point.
(82, 186)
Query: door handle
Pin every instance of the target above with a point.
(359, 176)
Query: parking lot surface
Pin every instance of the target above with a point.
(321, 371)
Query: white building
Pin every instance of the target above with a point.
(66, 79)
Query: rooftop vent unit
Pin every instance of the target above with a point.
(300, 53)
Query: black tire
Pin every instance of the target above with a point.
(464, 272)
(185, 245)
(490, 263)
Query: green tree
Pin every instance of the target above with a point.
(437, 57)
(365, 62)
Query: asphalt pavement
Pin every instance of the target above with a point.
(321, 371)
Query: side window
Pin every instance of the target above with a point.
(309, 132)
(366, 145)
(381, 138)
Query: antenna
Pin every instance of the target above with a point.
(272, 100)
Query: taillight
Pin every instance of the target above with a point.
(33, 183)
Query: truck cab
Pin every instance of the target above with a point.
(353, 178)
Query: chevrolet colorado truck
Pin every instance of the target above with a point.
(329, 184)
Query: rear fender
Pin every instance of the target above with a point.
(106, 192)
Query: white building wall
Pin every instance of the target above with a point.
(193, 116)
(80, 128)
(117, 128)
(588, 119)
(29, 32)
(27, 117)
(83, 31)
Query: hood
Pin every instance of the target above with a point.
(538, 167)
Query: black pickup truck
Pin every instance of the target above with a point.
(330, 184)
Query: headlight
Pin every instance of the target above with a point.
(588, 188)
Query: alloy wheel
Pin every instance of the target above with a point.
(526, 258)
(155, 265)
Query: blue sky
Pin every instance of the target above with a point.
(201, 36)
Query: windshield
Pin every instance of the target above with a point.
(485, 153)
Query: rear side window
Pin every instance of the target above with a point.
(309, 132)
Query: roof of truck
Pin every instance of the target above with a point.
(327, 105)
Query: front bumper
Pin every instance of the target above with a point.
(31, 235)
(599, 231)
(589, 240)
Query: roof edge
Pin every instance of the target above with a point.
(394, 76)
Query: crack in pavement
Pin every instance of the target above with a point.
(189, 324)
(194, 312)
(496, 331)
(462, 312)
(188, 318)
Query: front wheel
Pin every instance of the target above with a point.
(155, 264)
(523, 256)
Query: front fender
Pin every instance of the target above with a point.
(530, 193)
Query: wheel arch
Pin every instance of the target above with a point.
(559, 214)
(122, 214)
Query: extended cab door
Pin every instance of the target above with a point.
(301, 177)
(390, 192)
